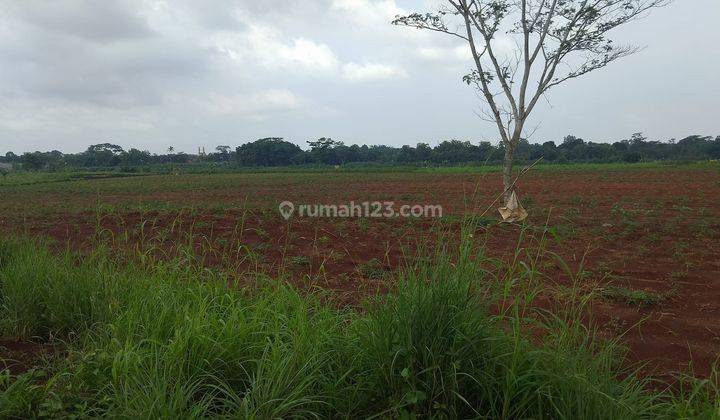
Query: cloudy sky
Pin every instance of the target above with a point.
(186, 73)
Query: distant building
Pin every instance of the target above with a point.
(5, 166)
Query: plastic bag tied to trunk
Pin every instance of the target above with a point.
(513, 211)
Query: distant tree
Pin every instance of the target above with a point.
(33, 161)
(223, 154)
(570, 142)
(637, 138)
(179, 158)
(598, 152)
(323, 150)
(454, 151)
(694, 147)
(270, 151)
(714, 149)
(347, 154)
(548, 151)
(382, 153)
(620, 145)
(423, 152)
(11, 157)
(135, 157)
(407, 154)
(106, 147)
(275, 151)
(557, 40)
(170, 149)
(486, 151)
(573, 148)
(523, 150)
(103, 154)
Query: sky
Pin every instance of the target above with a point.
(152, 74)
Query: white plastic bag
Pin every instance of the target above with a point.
(513, 211)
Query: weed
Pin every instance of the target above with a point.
(641, 298)
(363, 224)
(652, 237)
(678, 274)
(372, 269)
(178, 342)
(300, 261)
(527, 202)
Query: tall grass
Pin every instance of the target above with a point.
(459, 337)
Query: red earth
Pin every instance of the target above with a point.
(653, 231)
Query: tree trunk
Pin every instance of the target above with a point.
(507, 171)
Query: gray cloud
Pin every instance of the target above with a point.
(154, 73)
(106, 21)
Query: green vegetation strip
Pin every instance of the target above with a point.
(171, 341)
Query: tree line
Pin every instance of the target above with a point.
(275, 151)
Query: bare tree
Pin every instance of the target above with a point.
(555, 41)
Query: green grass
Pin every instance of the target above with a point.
(372, 269)
(635, 297)
(34, 178)
(300, 261)
(575, 167)
(26, 178)
(76, 192)
(171, 340)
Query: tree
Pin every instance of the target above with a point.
(103, 154)
(347, 154)
(714, 149)
(106, 147)
(270, 151)
(223, 153)
(323, 150)
(694, 147)
(557, 40)
(179, 157)
(11, 157)
(407, 154)
(382, 153)
(423, 152)
(454, 151)
(135, 157)
(33, 161)
(548, 151)
(571, 142)
(486, 151)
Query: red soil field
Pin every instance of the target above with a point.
(654, 231)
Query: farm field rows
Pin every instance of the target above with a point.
(643, 240)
